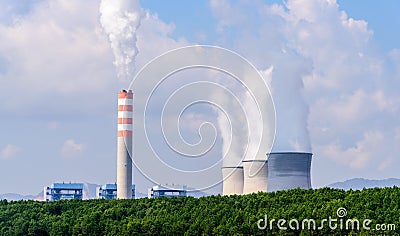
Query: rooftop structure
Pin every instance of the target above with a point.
(167, 191)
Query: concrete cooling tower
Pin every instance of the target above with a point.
(288, 170)
(232, 180)
(255, 176)
(124, 144)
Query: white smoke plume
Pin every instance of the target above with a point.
(283, 69)
(234, 133)
(291, 108)
(248, 130)
(120, 20)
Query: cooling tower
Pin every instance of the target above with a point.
(287, 170)
(232, 180)
(255, 176)
(124, 144)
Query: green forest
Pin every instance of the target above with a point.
(213, 215)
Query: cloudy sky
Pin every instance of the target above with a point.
(58, 84)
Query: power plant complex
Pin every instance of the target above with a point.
(267, 173)
(271, 172)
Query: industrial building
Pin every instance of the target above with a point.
(109, 191)
(63, 191)
(167, 191)
(265, 172)
(124, 144)
(288, 170)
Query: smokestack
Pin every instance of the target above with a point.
(124, 145)
(288, 170)
(232, 180)
(255, 176)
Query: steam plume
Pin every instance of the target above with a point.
(120, 20)
(291, 108)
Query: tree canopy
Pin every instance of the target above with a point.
(213, 215)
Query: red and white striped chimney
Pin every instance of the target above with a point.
(124, 144)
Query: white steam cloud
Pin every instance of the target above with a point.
(290, 106)
(247, 128)
(120, 20)
(281, 65)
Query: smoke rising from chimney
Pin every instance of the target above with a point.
(120, 20)
(291, 107)
(248, 123)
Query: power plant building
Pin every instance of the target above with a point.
(63, 191)
(124, 144)
(288, 170)
(109, 191)
(167, 191)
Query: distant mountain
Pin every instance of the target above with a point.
(89, 192)
(360, 183)
(17, 197)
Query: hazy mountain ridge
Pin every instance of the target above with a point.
(360, 183)
(89, 192)
(17, 197)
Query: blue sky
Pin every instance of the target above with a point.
(58, 84)
(195, 17)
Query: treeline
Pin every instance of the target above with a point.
(214, 215)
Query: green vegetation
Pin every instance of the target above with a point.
(215, 215)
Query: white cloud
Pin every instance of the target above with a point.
(56, 55)
(360, 155)
(228, 14)
(154, 31)
(71, 148)
(353, 103)
(59, 56)
(385, 164)
(10, 151)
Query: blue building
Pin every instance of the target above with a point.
(167, 191)
(109, 191)
(63, 191)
